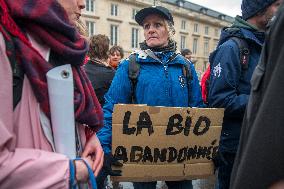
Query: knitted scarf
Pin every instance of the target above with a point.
(171, 47)
(48, 22)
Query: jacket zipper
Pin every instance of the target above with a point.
(166, 65)
(166, 70)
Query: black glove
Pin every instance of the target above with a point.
(109, 160)
(222, 158)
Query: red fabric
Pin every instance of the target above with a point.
(86, 60)
(204, 84)
(46, 20)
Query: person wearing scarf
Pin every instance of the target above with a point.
(229, 85)
(161, 74)
(36, 36)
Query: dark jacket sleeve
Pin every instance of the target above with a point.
(224, 81)
(196, 99)
(119, 92)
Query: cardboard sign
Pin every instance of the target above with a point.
(165, 143)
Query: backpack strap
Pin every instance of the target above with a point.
(133, 72)
(244, 51)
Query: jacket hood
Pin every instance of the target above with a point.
(242, 29)
(146, 56)
(237, 30)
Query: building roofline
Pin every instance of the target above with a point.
(200, 9)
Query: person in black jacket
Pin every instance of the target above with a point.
(260, 159)
(100, 74)
(98, 70)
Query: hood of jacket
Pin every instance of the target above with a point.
(165, 58)
(243, 29)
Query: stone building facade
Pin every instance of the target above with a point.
(197, 27)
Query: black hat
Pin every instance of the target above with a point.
(162, 11)
(252, 7)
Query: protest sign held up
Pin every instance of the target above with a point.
(165, 143)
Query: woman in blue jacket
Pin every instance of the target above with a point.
(161, 80)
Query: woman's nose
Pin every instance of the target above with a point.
(151, 29)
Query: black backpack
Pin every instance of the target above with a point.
(134, 71)
(244, 60)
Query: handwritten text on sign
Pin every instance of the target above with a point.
(152, 135)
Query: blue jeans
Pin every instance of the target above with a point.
(186, 184)
(225, 170)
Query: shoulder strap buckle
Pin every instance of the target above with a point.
(244, 51)
(133, 73)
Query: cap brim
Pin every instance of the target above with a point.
(142, 14)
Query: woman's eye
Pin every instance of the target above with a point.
(158, 25)
(146, 26)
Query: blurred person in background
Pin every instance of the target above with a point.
(186, 53)
(98, 70)
(115, 55)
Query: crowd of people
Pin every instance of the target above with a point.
(37, 36)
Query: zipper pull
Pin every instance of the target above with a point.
(166, 70)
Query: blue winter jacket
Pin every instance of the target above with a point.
(160, 83)
(229, 85)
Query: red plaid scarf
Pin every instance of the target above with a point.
(47, 20)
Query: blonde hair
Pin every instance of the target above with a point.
(82, 28)
(170, 28)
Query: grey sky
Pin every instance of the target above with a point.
(228, 7)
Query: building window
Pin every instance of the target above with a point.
(206, 47)
(216, 32)
(90, 5)
(134, 38)
(114, 10)
(195, 46)
(183, 24)
(113, 34)
(195, 28)
(134, 12)
(204, 66)
(222, 16)
(91, 28)
(206, 31)
(180, 3)
(203, 10)
(182, 42)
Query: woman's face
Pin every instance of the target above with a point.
(73, 8)
(115, 58)
(155, 31)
